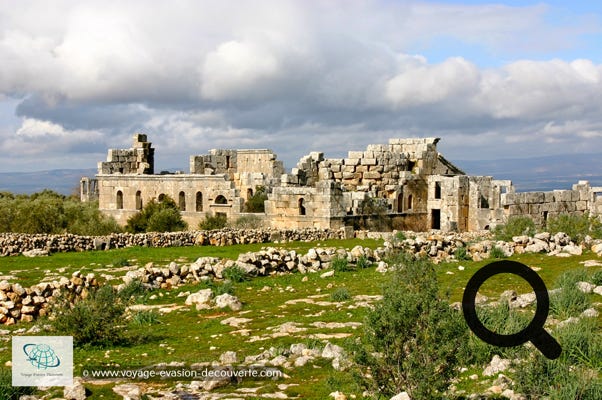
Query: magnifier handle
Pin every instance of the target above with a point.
(547, 345)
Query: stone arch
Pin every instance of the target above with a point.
(119, 200)
(138, 200)
(302, 206)
(199, 201)
(221, 200)
(410, 202)
(161, 197)
(400, 202)
(182, 201)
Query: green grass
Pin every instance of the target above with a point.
(190, 336)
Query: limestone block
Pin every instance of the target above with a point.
(355, 154)
(581, 205)
(368, 161)
(347, 175)
(352, 161)
(361, 168)
(368, 154)
(376, 168)
(338, 175)
(349, 168)
(372, 175)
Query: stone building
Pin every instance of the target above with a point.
(405, 184)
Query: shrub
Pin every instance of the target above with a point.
(596, 278)
(134, 291)
(50, 212)
(569, 300)
(95, 320)
(235, 274)
(576, 226)
(157, 216)
(248, 222)
(363, 262)
(213, 222)
(461, 253)
(255, 204)
(400, 236)
(496, 252)
(340, 265)
(574, 375)
(516, 226)
(147, 317)
(411, 338)
(340, 294)
(10, 392)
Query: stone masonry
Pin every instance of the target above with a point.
(405, 184)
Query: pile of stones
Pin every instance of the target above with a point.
(25, 304)
(443, 247)
(264, 262)
(20, 243)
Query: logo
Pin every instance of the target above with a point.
(534, 332)
(42, 360)
(41, 356)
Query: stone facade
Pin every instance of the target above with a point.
(405, 184)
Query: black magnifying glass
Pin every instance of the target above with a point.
(534, 332)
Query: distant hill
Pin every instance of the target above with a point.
(64, 181)
(527, 174)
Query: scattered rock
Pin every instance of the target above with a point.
(401, 396)
(327, 274)
(75, 392)
(496, 365)
(590, 313)
(586, 287)
(128, 391)
(227, 300)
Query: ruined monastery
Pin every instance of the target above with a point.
(405, 184)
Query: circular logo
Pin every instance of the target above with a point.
(41, 356)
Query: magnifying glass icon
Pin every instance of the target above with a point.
(534, 332)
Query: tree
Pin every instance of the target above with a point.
(255, 203)
(157, 216)
(412, 337)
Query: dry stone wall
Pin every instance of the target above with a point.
(17, 243)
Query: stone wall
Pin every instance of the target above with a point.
(541, 206)
(18, 243)
(137, 160)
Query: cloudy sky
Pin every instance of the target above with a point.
(493, 79)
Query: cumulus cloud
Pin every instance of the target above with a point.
(292, 75)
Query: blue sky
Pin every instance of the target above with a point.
(492, 79)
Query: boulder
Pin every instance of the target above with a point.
(227, 300)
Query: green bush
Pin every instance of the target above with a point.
(596, 278)
(516, 226)
(569, 300)
(340, 294)
(50, 212)
(574, 375)
(363, 262)
(462, 254)
(576, 226)
(213, 222)
(496, 252)
(10, 392)
(248, 222)
(400, 236)
(95, 320)
(255, 204)
(412, 337)
(235, 274)
(157, 216)
(340, 265)
(147, 317)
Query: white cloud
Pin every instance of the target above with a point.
(288, 74)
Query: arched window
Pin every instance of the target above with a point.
(138, 200)
(182, 201)
(199, 201)
(161, 197)
(221, 200)
(301, 206)
(119, 200)
(400, 202)
(410, 202)
(249, 193)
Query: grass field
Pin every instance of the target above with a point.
(190, 336)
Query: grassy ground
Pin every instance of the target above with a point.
(191, 336)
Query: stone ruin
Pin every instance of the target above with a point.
(405, 184)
